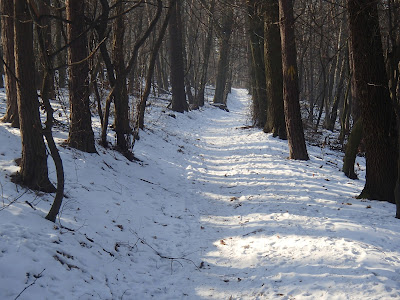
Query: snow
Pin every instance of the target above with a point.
(215, 210)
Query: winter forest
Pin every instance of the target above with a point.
(200, 149)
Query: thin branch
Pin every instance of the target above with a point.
(28, 286)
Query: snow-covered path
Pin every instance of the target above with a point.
(281, 228)
(214, 211)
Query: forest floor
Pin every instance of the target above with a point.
(214, 210)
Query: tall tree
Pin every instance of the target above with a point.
(225, 32)
(273, 70)
(33, 173)
(7, 39)
(179, 103)
(121, 103)
(43, 9)
(377, 112)
(294, 125)
(206, 55)
(256, 34)
(118, 68)
(142, 103)
(80, 132)
(59, 41)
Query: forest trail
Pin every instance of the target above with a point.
(265, 227)
(215, 210)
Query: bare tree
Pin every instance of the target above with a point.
(80, 133)
(273, 71)
(33, 173)
(376, 108)
(7, 38)
(294, 126)
(179, 103)
(224, 32)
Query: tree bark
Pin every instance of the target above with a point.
(46, 32)
(33, 172)
(121, 103)
(142, 103)
(294, 125)
(179, 103)
(273, 70)
(376, 107)
(46, 91)
(352, 150)
(206, 56)
(256, 34)
(81, 134)
(59, 37)
(223, 60)
(7, 38)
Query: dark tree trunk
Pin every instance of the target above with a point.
(206, 56)
(121, 103)
(80, 132)
(223, 60)
(1, 70)
(33, 173)
(179, 103)
(7, 38)
(46, 90)
(294, 125)
(331, 119)
(46, 31)
(59, 36)
(273, 71)
(345, 117)
(376, 108)
(256, 33)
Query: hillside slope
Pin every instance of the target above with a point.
(214, 210)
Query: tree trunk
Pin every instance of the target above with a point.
(352, 149)
(121, 105)
(206, 57)
(223, 60)
(59, 36)
(1, 69)
(256, 33)
(33, 173)
(376, 108)
(331, 119)
(142, 103)
(294, 125)
(81, 134)
(179, 103)
(46, 31)
(46, 90)
(273, 71)
(7, 38)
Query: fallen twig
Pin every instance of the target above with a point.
(28, 286)
(172, 259)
